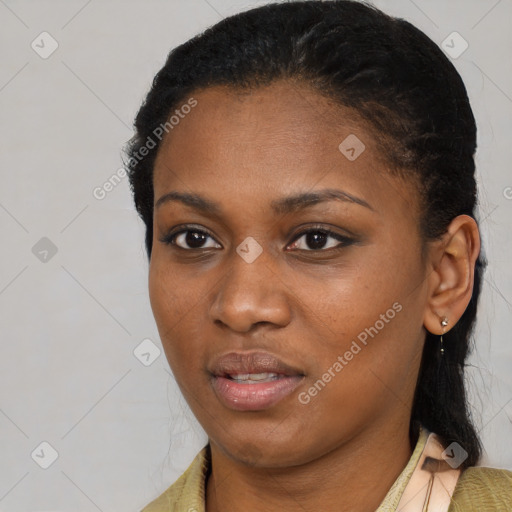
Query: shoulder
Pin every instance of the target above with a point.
(482, 489)
(187, 492)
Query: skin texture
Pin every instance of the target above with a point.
(344, 449)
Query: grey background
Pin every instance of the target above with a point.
(70, 321)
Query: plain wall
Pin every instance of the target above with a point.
(70, 321)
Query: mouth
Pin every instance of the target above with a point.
(254, 378)
(253, 381)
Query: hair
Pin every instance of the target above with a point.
(401, 84)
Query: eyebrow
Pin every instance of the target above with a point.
(281, 206)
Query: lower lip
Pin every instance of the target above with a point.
(254, 397)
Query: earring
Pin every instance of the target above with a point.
(444, 323)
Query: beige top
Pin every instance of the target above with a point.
(478, 489)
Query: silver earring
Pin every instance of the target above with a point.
(444, 323)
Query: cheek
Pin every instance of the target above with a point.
(173, 292)
(163, 300)
(376, 303)
(174, 302)
(349, 297)
(179, 303)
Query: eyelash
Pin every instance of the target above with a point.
(344, 240)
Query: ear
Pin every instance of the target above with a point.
(450, 283)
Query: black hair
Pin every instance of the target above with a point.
(401, 83)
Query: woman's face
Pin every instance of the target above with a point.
(328, 324)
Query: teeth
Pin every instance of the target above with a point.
(251, 378)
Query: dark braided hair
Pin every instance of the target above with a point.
(401, 84)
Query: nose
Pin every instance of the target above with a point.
(251, 293)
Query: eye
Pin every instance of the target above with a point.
(192, 237)
(318, 239)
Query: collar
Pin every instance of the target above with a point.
(187, 494)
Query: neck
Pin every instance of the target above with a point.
(354, 476)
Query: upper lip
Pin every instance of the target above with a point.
(235, 363)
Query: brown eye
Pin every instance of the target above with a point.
(189, 239)
(317, 239)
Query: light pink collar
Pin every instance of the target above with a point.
(433, 481)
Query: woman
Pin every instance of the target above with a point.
(305, 173)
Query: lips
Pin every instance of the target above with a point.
(238, 363)
(253, 381)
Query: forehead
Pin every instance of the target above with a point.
(284, 119)
(282, 137)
